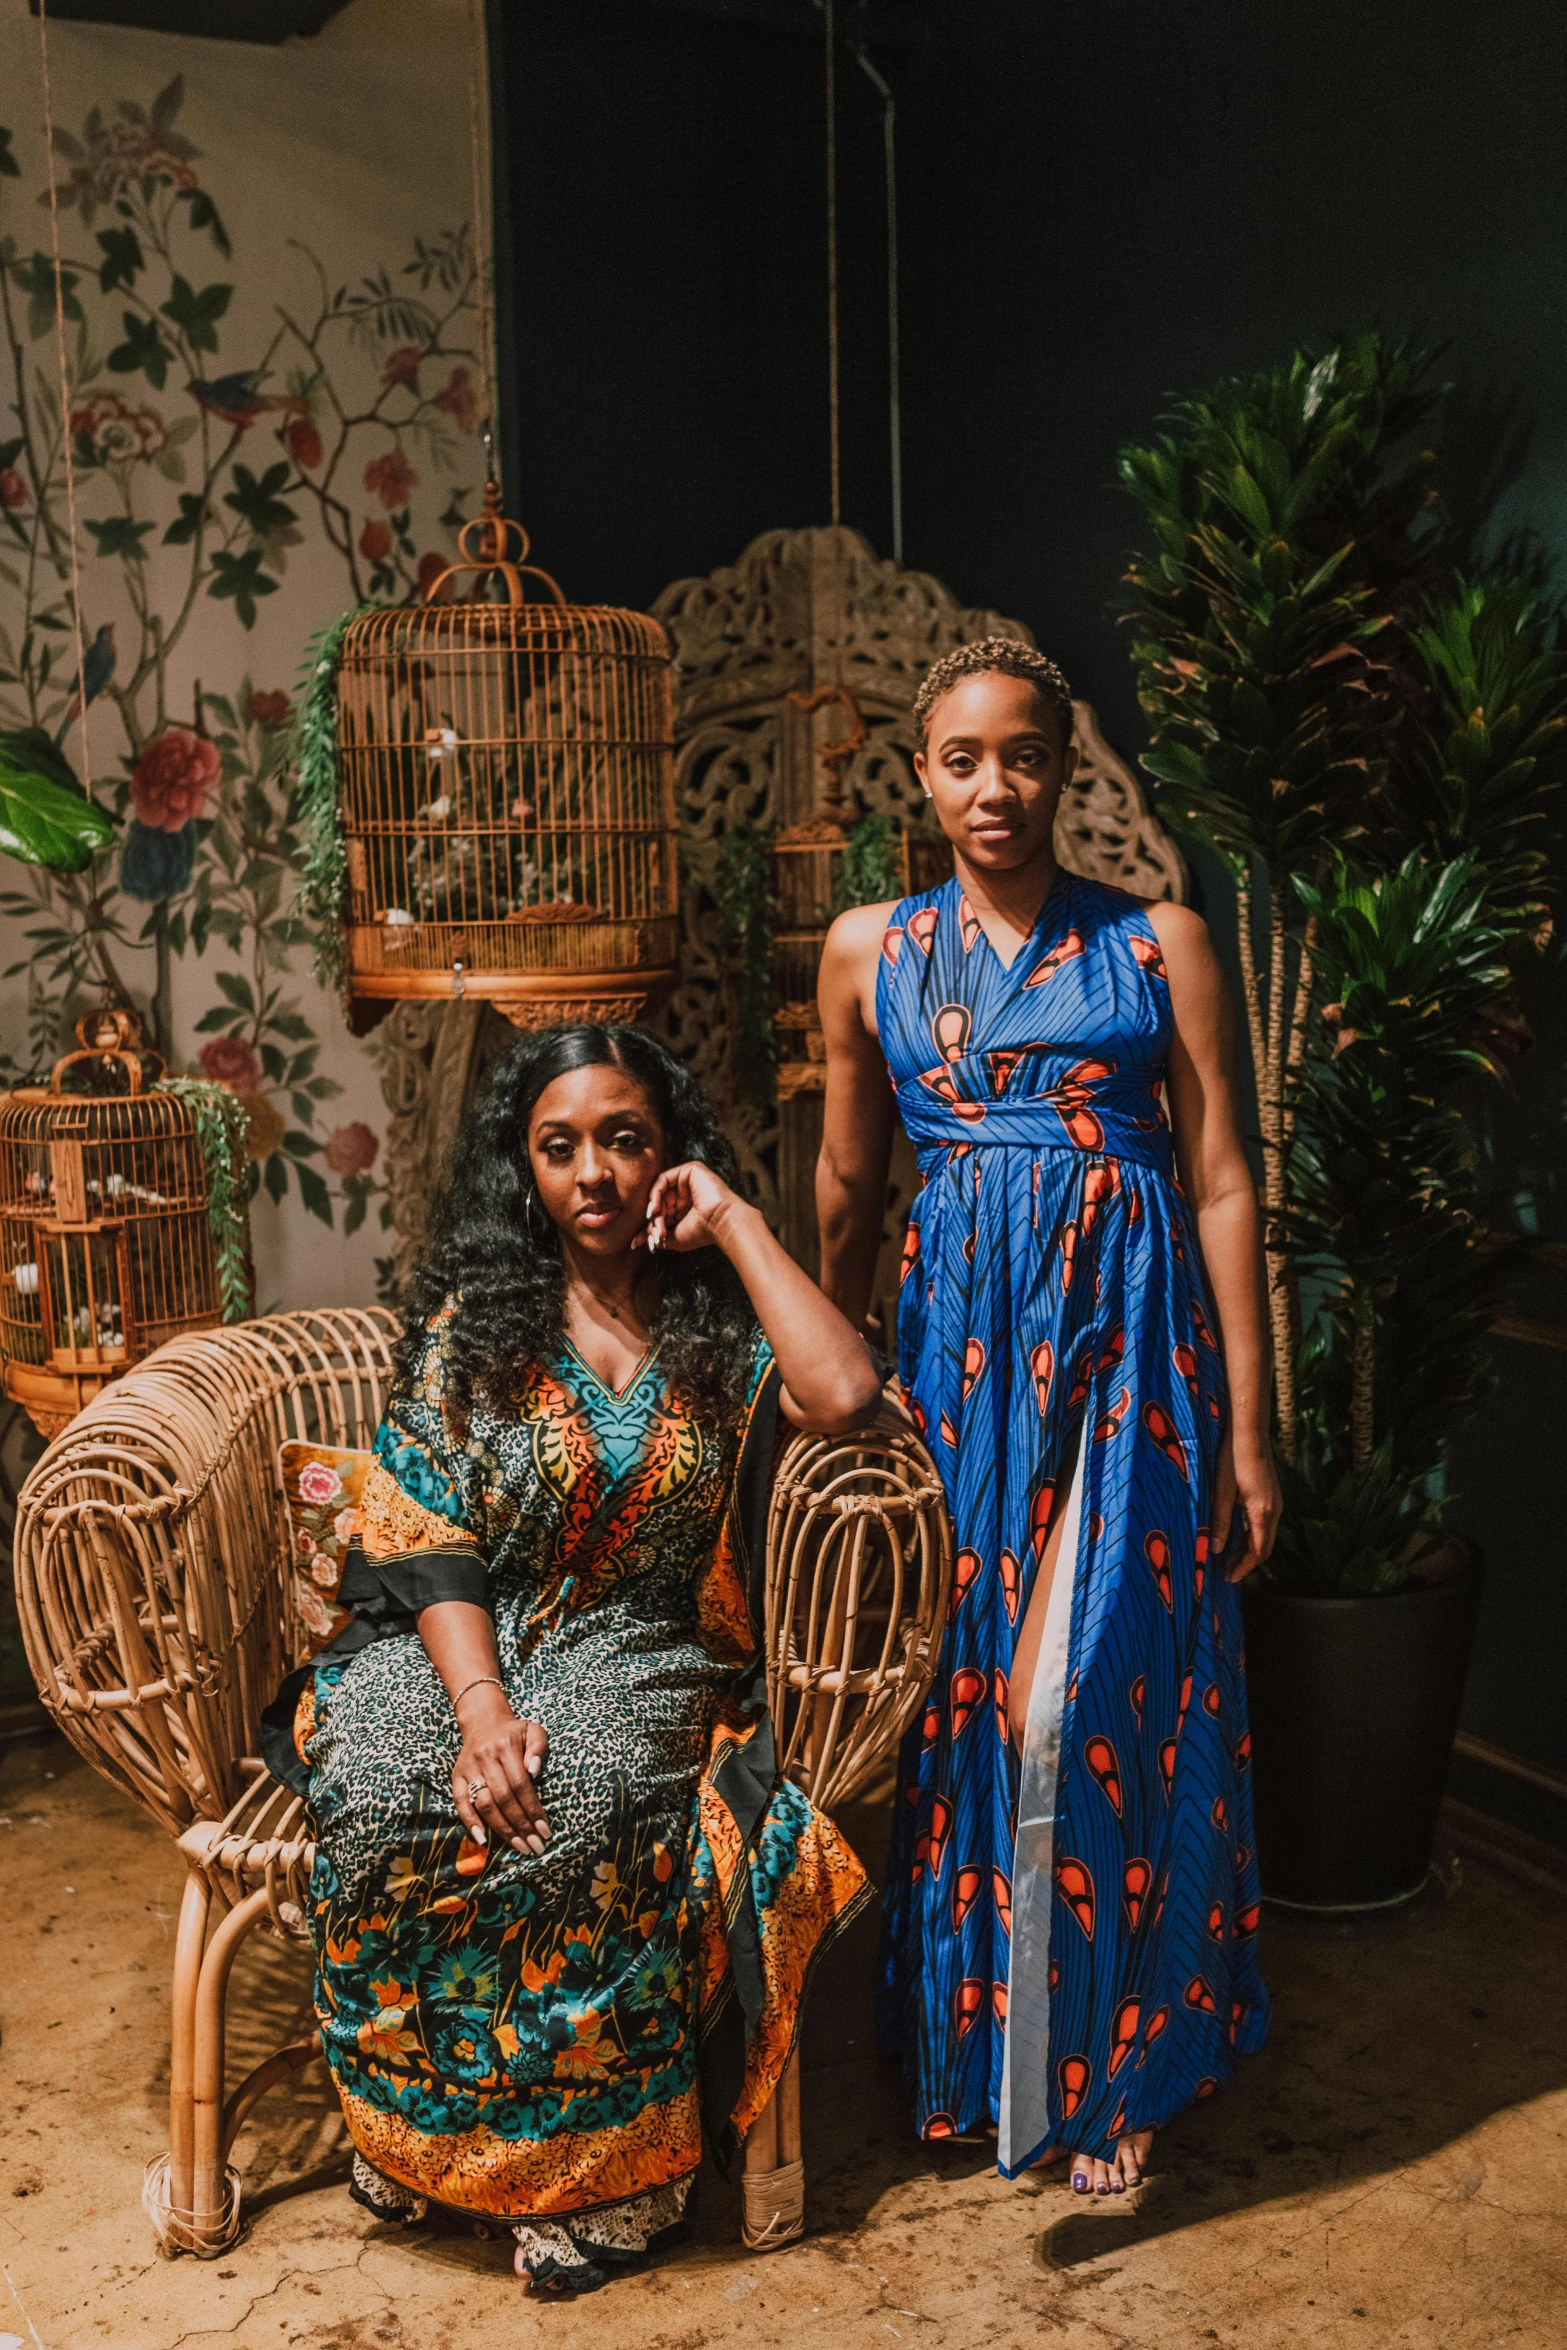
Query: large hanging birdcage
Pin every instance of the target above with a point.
(508, 811)
(107, 1241)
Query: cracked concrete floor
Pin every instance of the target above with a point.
(1391, 2171)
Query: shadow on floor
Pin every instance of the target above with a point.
(1389, 2043)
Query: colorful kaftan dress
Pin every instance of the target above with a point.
(518, 2035)
(1068, 1945)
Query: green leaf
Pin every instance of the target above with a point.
(10, 169)
(257, 501)
(120, 536)
(194, 511)
(242, 578)
(353, 1214)
(314, 1193)
(166, 105)
(43, 824)
(196, 315)
(237, 988)
(204, 214)
(123, 259)
(220, 1021)
(36, 279)
(143, 349)
(275, 1176)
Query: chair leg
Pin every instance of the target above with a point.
(212, 2226)
(773, 2181)
(189, 1945)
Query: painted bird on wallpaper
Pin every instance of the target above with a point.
(93, 679)
(234, 399)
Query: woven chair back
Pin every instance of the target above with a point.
(859, 1574)
(152, 1548)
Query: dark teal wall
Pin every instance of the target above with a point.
(1105, 203)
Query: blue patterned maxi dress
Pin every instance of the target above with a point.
(1069, 1943)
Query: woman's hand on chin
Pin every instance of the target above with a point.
(690, 1207)
(501, 1757)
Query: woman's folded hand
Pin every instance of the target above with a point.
(493, 1778)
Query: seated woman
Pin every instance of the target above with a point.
(551, 1835)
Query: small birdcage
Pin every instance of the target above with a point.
(508, 801)
(106, 1243)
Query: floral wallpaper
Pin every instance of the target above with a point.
(271, 415)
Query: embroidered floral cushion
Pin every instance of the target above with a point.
(322, 1488)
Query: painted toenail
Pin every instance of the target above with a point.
(1079, 2181)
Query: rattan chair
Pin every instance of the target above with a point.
(155, 1592)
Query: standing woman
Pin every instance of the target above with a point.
(551, 1836)
(1072, 1892)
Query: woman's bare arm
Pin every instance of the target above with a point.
(1218, 1181)
(829, 1381)
(857, 1122)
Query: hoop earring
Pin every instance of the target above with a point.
(530, 1201)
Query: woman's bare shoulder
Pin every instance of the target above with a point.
(1181, 931)
(855, 937)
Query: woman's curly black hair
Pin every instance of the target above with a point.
(495, 1249)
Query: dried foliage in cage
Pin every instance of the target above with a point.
(507, 795)
(123, 1218)
(859, 1574)
(828, 862)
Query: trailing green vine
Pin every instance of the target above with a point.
(743, 888)
(872, 868)
(323, 881)
(222, 1129)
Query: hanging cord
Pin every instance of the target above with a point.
(832, 256)
(65, 398)
(894, 406)
(478, 52)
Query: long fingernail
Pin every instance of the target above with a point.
(518, 1845)
(535, 1765)
(480, 1833)
(536, 1845)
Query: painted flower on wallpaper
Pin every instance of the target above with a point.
(13, 490)
(430, 568)
(402, 365)
(305, 445)
(113, 156)
(171, 779)
(461, 400)
(230, 1061)
(109, 431)
(375, 541)
(391, 478)
(269, 709)
(352, 1148)
(267, 1124)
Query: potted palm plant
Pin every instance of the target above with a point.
(1368, 741)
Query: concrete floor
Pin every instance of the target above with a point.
(1392, 2171)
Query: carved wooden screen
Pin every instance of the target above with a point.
(801, 609)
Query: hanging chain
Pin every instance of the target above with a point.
(832, 258)
(894, 390)
(65, 398)
(478, 52)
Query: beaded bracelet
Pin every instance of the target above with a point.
(482, 1681)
